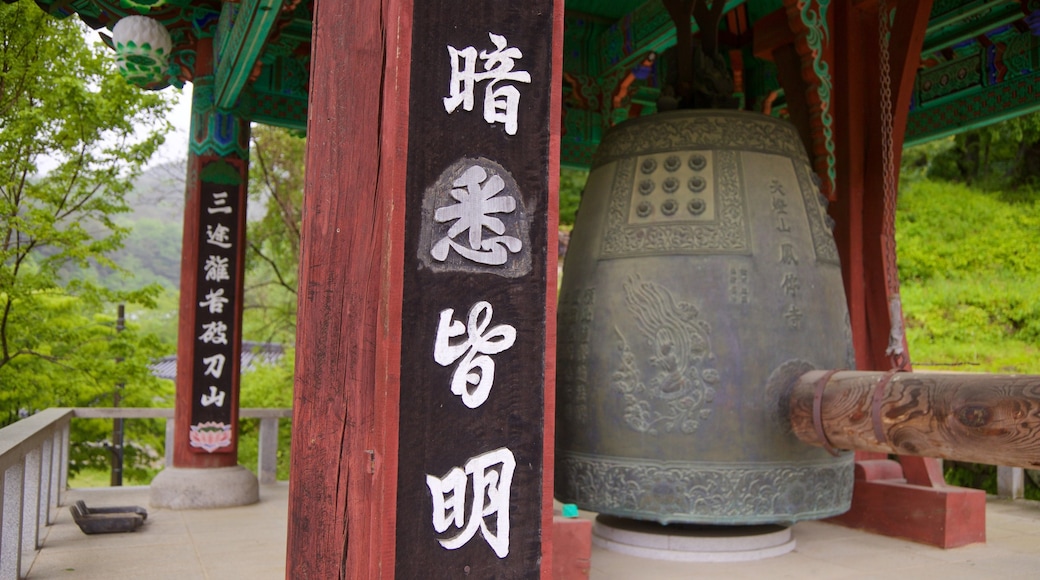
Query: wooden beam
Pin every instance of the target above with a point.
(427, 293)
(239, 48)
(971, 417)
(342, 493)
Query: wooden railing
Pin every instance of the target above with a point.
(34, 460)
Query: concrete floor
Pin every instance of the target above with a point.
(249, 543)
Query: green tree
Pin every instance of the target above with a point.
(276, 176)
(1003, 157)
(65, 108)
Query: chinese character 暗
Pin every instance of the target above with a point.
(478, 197)
(501, 103)
(479, 342)
(492, 475)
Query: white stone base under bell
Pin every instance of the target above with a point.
(691, 543)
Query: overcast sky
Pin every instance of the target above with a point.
(176, 145)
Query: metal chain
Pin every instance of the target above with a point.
(895, 350)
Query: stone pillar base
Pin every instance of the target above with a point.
(181, 488)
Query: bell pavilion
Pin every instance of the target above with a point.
(426, 353)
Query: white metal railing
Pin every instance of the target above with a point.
(34, 460)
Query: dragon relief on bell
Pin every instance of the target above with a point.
(680, 378)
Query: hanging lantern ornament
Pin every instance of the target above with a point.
(143, 47)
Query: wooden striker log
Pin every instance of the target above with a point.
(979, 418)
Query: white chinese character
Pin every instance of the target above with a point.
(492, 474)
(501, 103)
(215, 300)
(218, 235)
(219, 203)
(216, 269)
(478, 342)
(214, 397)
(214, 333)
(476, 196)
(214, 365)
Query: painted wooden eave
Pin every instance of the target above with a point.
(243, 31)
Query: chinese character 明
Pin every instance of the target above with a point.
(219, 203)
(214, 365)
(476, 195)
(213, 398)
(501, 103)
(215, 300)
(492, 474)
(477, 342)
(214, 333)
(219, 236)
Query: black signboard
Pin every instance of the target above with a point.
(470, 476)
(215, 365)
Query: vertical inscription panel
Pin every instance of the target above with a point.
(218, 281)
(470, 475)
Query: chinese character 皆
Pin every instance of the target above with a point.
(215, 300)
(219, 236)
(219, 203)
(478, 342)
(214, 397)
(214, 333)
(492, 474)
(477, 196)
(501, 103)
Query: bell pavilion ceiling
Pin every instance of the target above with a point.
(979, 64)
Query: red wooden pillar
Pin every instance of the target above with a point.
(386, 425)
(910, 501)
(205, 469)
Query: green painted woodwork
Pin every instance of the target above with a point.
(951, 29)
(242, 33)
(976, 89)
(608, 9)
(975, 67)
(215, 132)
(813, 17)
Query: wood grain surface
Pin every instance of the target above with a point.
(979, 418)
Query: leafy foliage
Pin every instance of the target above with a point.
(267, 386)
(572, 182)
(276, 175)
(970, 274)
(64, 105)
(971, 284)
(1003, 158)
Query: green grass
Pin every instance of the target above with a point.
(970, 270)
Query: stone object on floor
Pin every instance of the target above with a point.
(105, 523)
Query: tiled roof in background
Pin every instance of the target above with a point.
(253, 353)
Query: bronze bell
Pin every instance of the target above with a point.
(701, 280)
